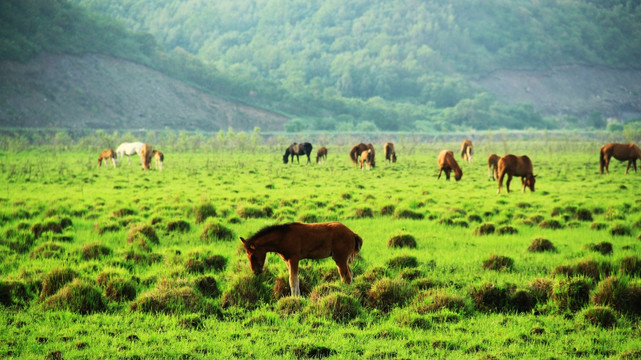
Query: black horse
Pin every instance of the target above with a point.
(298, 149)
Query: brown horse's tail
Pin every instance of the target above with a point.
(353, 155)
(358, 243)
(602, 159)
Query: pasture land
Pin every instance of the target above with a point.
(121, 263)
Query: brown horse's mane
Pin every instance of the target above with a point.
(283, 228)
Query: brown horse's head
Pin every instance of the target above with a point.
(255, 255)
(529, 181)
(393, 157)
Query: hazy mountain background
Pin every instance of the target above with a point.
(325, 65)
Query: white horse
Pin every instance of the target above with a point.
(128, 149)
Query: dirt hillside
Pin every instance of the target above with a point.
(97, 91)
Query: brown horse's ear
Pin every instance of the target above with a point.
(535, 175)
(243, 240)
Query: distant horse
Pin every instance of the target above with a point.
(298, 149)
(447, 163)
(621, 152)
(357, 150)
(466, 150)
(388, 150)
(296, 241)
(513, 165)
(128, 149)
(145, 156)
(366, 158)
(107, 155)
(492, 164)
(321, 155)
(159, 157)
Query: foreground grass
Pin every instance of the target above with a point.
(157, 253)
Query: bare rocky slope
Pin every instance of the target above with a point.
(101, 92)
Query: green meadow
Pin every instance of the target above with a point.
(97, 262)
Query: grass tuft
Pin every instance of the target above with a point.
(216, 231)
(541, 245)
(498, 263)
(401, 241)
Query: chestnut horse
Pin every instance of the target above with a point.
(321, 155)
(621, 152)
(297, 149)
(466, 150)
(492, 164)
(366, 158)
(447, 163)
(513, 165)
(159, 158)
(145, 156)
(388, 150)
(357, 150)
(296, 241)
(106, 155)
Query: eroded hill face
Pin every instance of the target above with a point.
(570, 90)
(98, 91)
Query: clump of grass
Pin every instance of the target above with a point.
(631, 265)
(402, 240)
(498, 263)
(550, 224)
(119, 290)
(364, 212)
(94, 251)
(204, 211)
(402, 262)
(322, 290)
(572, 294)
(251, 212)
(433, 301)
(290, 305)
(309, 218)
(123, 212)
(56, 280)
(506, 230)
(491, 298)
(523, 300)
(47, 251)
(599, 316)
(103, 228)
(598, 226)
(583, 215)
(620, 230)
(18, 240)
(216, 263)
(541, 289)
(312, 351)
(388, 210)
(604, 247)
(207, 286)
(337, 306)
(385, 294)
(541, 245)
(177, 226)
(408, 214)
(427, 283)
(15, 293)
(618, 294)
(50, 226)
(171, 297)
(485, 229)
(589, 268)
(142, 235)
(194, 265)
(246, 291)
(217, 231)
(410, 274)
(79, 297)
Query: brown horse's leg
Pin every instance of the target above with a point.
(447, 173)
(439, 173)
(344, 271)
(507, 183)
(294, 281)
(628, 168)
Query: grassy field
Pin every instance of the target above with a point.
(121, 263)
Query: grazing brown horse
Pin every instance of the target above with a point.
(159, 158)
(145, 156)
(513, 165)
(388, 150)
(447, 163)
(357, 150)
(296, 241)
(321, 155)
(298, 149)
(366, 158)
(621, 152)
(106, 155)
(492, 166)
(466, 150)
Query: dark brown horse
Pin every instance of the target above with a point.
(298, 149)
(621, 152)
(106, 155)
(466, 150)
(388, 150)
(321, 155)
(492, 166)
(447, 163)
(296, 241)
(357, 150)
(512, 165)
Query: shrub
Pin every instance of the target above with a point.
(498, 263)
(402, 240)
(246, 291)
(484, 229)
(56, 280)
(338, 307)
(79, 297)
(142, 235)
(599, 316)
(572, 294)
(178, 225)
(403, 261)
(94, 251)
(541, 245)
(386, 294)
(605, 248)
(217, 231)
(203, 211)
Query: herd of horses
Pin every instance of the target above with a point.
(143, 150)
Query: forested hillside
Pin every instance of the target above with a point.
(357, 65)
